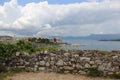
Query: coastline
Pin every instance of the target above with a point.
(98, 63)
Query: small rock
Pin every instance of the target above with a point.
(52, 58)
(47, 64)
(86, 59)
(66, 72)
(21, 67)
(27, 63)
(60, 63)
(115, 57)
(42, 63)
(17, 53)
(66, 54)
(46, 52)
(92, 62)
(52, 63)
(35, 69)
(82, 72)
(51, 54)
(87, 65)
(76, 55)
(36, 66)
(37, 63)
(68, 68)
(78, 66)
(41, 68)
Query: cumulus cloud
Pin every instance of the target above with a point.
(77, 19)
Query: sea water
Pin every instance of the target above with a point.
(92, 44)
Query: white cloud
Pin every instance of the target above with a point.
(77, 19)
(6, 33)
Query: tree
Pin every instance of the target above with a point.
(55, 40)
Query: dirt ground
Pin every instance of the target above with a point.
(51, 76)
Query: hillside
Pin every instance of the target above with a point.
(94, 37)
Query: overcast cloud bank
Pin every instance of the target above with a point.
(43, 19)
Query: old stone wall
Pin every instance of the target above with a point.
(70, 61)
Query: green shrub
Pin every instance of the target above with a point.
(52, 48)
(2, 68)
(16, 70)
(26, 46)
(49, 48)
(94, 72)
(117, 76)
(61, 71)
(105, 51)
(7, 50)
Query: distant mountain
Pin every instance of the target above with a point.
(103, 36)
(109, 40)
(94, 37)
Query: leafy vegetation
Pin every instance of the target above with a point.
(105, 51)
(116, 75)
(94, 72)
(2, 68)
(9, 50)
(16, 70)
(40, 40)
(25, 46)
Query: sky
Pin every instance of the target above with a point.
(43, 18)
(24, 2)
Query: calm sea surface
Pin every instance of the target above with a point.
(93, 44)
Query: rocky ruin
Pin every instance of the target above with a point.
(66, 61)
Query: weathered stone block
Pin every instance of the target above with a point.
(41, 68)
(60, 62)
(42, 63)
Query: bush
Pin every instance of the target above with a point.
(52, 48)
(117, 76)
(61, 71)
(2, 68)
(16, 70)
(26, 46)
(94, 72)
(49, 48)
(7, 50)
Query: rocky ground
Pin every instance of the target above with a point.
(51, 76)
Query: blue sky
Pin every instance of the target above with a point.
(51, 1)
(23, 2)
(48, 19)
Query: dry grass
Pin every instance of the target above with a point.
(51, 76)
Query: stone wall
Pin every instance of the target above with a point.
(71, 61)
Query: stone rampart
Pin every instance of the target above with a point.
(70, 61)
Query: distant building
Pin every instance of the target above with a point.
(25, 38)
(7, 39)
(56, 40)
